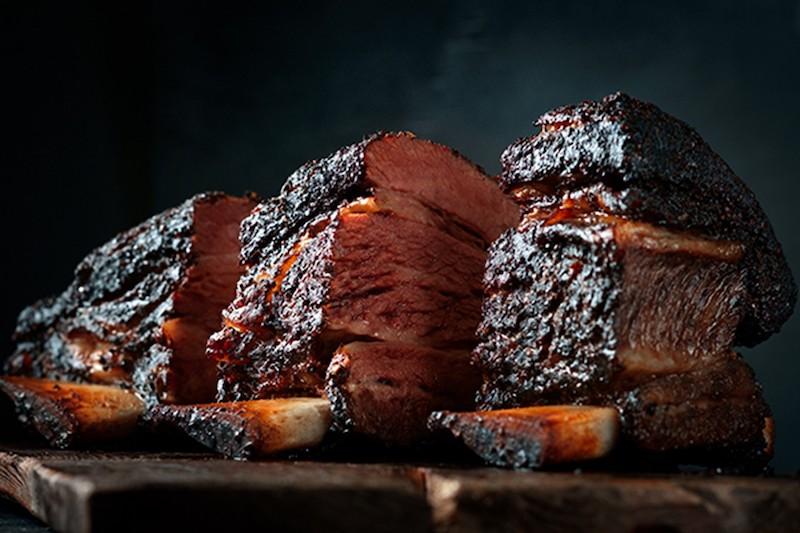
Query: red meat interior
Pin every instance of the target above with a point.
(388, 389)
(210, 285)
(443, 180)
(397, 279)
(681, 300)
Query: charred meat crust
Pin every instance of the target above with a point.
(277, 339)
(242, 430)
(70, 414)
(571, 307)
(113, 312)
(628, 158)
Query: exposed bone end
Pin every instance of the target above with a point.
(251, 428)
(530, 437)
(68, 414)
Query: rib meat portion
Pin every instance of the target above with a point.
(381, 242)
(605, 311)
(628, 158)
(640, 262)
(141, 307)
(386, 390)
(581, 307)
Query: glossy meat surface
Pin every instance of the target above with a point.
(628, 158)
(384, 240)
(142, 306)
(604, 311)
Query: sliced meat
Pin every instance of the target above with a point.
(531, 437)
(715, 407)
(640, 262)
(142, 306)
(399, 280)
(601, 310)
(384, 240)
(386, 390)
(628, 158)
(578, 309)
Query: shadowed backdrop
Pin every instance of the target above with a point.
(113, 114)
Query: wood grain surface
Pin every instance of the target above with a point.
(81, 492)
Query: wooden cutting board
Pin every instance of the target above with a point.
(79, 492)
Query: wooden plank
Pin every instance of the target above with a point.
(85, 492)
(501, 500)
(82, 492)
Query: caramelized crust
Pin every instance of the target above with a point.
(531, 437)
(141, 307)
(628, 158)
(72, 414)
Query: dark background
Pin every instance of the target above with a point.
(115, 113)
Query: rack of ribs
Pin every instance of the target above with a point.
(135, 320)
(363, 284)
(640, 262)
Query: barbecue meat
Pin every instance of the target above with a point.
(628, 158)
(719, 406)
(605, 311)
(641, 260)
(141, 307)
(577, 306)
(382, 241)
(386, 390)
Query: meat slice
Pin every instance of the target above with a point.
(719, 407)
(628, 158)
(601, 310)
(640, 262)
(141, 307)
(386, 390)
(582, 307)
(384, 241)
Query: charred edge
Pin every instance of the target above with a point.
(669, 176)
(220, 429)
(337, 377)
(53, 421)
(490, 443)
